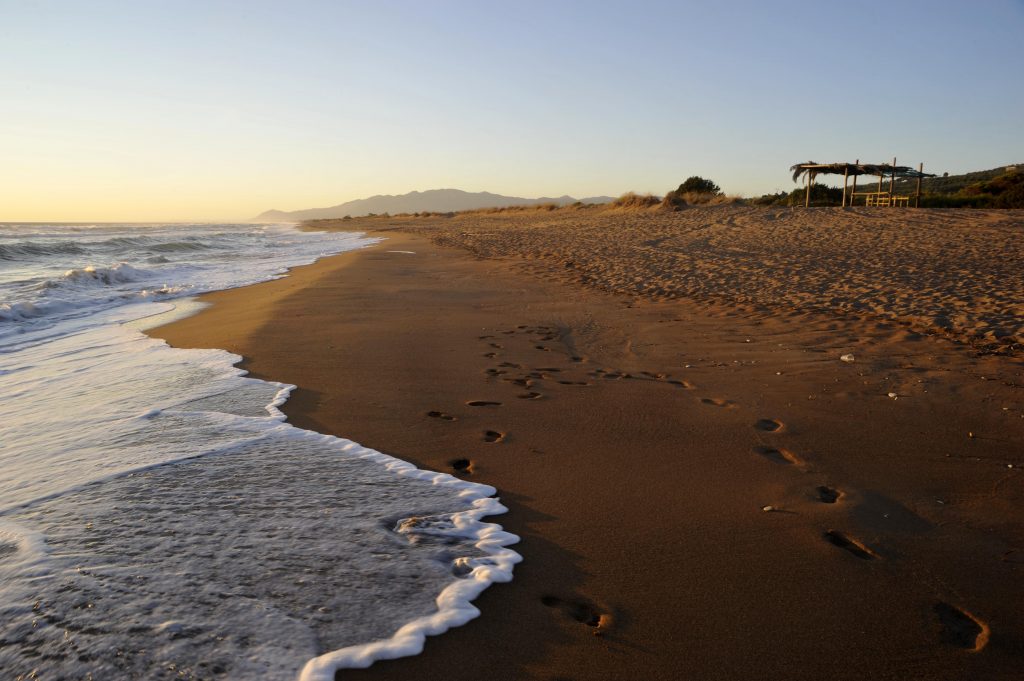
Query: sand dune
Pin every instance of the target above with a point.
(956, 272)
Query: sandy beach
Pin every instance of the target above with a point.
(704, 488)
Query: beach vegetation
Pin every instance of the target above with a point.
(634, 200)
(1005, 190)
(694, 190)
(777, 199)
(821, 195)
(698, 185)
(952, 184)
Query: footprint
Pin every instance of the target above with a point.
(497, 346)
(960, 628)
(843, 541)
(718, 402)
(441, 415)
(490, 355)
(550, 369)
(650, 374)
(511, 365)
(524, 382)
(828, 495)
(461, 466)
(682, 384)
(580, 611)
(484, 337)
(493, 436)
(778, 455)
(482, 403)
(768, 425)
(541, 347)
(577, 359)
(529, 396)
(495, 372)
(574, 383)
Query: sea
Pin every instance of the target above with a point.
(159, 517)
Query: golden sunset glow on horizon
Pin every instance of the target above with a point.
(220, 111)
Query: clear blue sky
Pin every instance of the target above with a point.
(220, 110)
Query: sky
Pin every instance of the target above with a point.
(178, 110)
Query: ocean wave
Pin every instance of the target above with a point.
(164, 290)
(26, 249)
(30, 310)
(175, 246)
(121, 273)
(10, 312)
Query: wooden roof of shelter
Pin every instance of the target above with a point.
(879, 169)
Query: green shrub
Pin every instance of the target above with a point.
(698, 185)
(821, 195)
(779, 199)
(694, 190)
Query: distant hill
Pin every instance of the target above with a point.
(950, 184)
(433, 201)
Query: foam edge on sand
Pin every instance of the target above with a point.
(454, 603)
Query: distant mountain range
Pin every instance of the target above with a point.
(433, 201)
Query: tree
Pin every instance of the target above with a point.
(698, 185)
(695, 190)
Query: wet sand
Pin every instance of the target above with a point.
(640, 387)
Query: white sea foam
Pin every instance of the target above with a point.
(157, 515)
(120, 273)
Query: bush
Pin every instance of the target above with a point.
(779, 199)
(821, 195)
(698, 185)
(695, 189)
(1012, 197)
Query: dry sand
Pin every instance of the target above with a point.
(655, 381)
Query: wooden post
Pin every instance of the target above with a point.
(807, 198)
(917, 199)
(853, 194)
(846, 172)
(892, 183)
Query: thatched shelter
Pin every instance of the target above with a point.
(811, 169)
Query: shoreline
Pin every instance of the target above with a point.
(637, 474)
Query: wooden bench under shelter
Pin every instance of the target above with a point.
(882, 199)
(876, 198)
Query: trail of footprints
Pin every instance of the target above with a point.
(958, 627)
